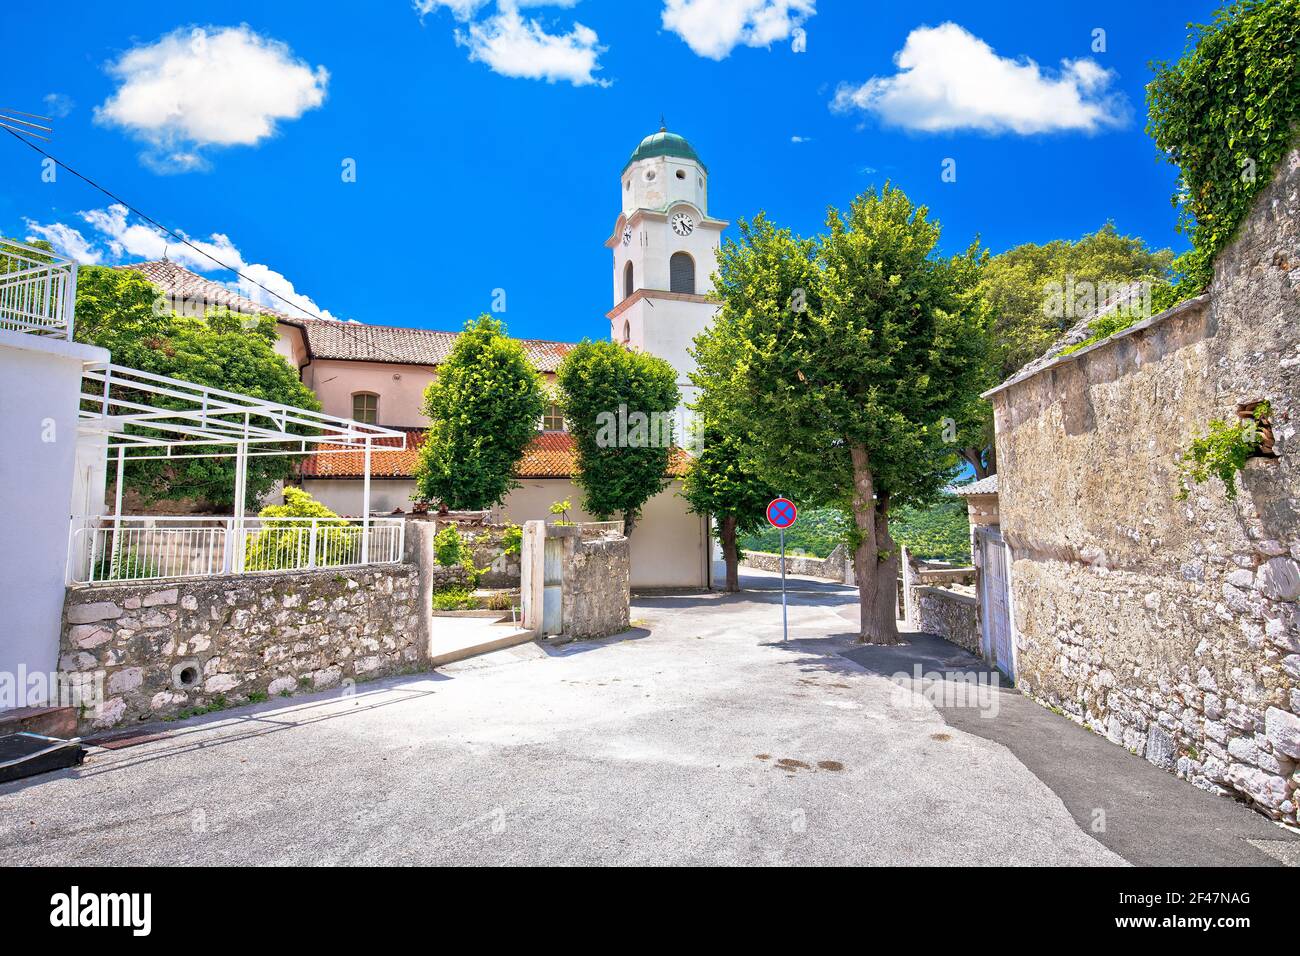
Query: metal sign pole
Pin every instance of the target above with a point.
(785, 625)
(781, 514)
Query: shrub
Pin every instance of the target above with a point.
(1221, 453)
(285, 544)
(123, 563)
(451, 549)
(453, 598)
(512, 542)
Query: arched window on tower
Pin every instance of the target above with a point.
(627, 332)
(681, 273)
(629, 282)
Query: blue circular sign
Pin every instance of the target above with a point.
(781, 513)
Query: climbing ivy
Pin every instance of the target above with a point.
(1224, 114)
(1222, 452)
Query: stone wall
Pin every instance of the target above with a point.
(488, 546)
(168, 647)
(1169, 626)
(950, 614)
(597, 586)
(832, 566)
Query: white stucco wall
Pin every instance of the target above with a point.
(669, 545)
(40, 379)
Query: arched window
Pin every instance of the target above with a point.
(681, 273)
(629, 282)
(627, 331)
(365, 407)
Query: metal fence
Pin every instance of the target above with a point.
(138, 548)
(37, 290)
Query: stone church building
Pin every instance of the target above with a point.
(663, 246)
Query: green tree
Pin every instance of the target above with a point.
(724, 483)
(484, 409)
(619, 405)
(843, 357)
(117, 309)
(1225, 113)
(1035, 292)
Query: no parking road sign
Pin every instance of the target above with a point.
(781, 513)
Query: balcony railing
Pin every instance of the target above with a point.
(37, 290)
(134, 548)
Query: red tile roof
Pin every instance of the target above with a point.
(550, 455)
(335, 339)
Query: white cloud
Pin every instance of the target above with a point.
(801, 139)
(58, 105)
(219, 86)
(124, 239)
(714, 28)
(67, 241)
(513, 46)
(950, 79)
(460, 9)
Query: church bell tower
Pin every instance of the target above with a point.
(665, 249)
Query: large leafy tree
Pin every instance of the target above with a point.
(620, 406)
(843, 357)
(484, 409)
(119, 310)
(1034, 292)
(724, 482)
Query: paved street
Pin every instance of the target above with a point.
(696, 738)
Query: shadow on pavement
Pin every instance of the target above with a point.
(1145, 814)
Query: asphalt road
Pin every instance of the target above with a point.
(696, 738)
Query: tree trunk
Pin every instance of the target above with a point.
(888, 564)
(730, 553)
(877, 597)
(629, 522)
(975, 457)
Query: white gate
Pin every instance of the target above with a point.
(995, 601)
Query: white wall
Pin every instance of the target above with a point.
(40, 379)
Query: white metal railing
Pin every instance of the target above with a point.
(38, 290)
(136, 548)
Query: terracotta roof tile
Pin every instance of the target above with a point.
(179, 282)
(550, 455)
(334, 339)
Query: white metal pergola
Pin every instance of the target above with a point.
(140, 415)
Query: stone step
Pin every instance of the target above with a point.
(49, 721)
(464, 643)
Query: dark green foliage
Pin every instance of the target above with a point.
(116, 310)
(817, 532)
(596, 380)
(938, 533)
(484, 409)
(1224, 114)
(845, 359)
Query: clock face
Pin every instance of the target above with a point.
(683, 224)
(627, 235)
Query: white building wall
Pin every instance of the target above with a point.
(40, 381)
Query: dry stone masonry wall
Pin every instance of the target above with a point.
(1170, 626)
(167, 647)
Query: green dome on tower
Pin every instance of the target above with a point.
(664, 143)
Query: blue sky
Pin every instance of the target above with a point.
(473, 173)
